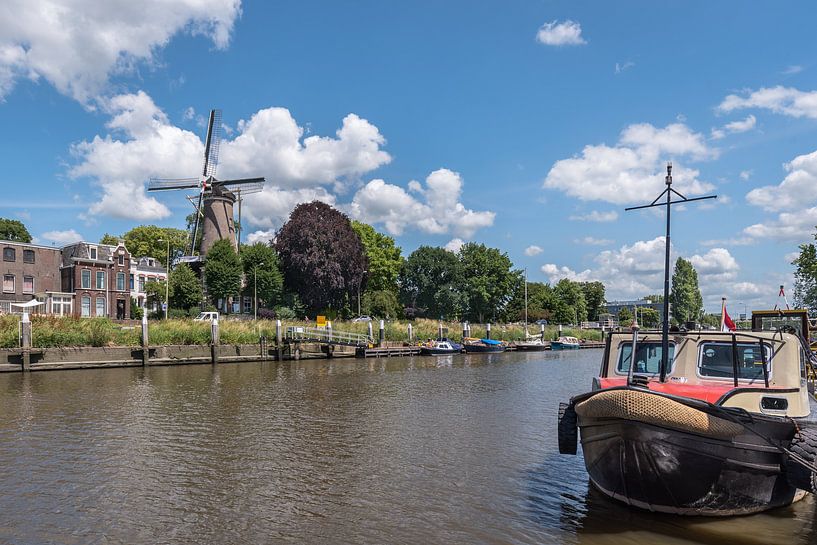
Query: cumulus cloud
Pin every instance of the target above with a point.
(716, 264)
(533, 250)
(780, 100)
(633, 169)
(454, 245)
(61, 237)
(595, 215)
(796, 189)
(745, 174)
(564, 33)
(555, 273)
(793, 226)
(735, 127)
(143, 143)
(623, 66)
(438, 209)
(76, 46)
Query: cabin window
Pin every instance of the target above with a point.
(28, 256)
(715, 360)
(647, 357)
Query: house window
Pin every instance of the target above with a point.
(9, 254)
(131, 282)
(86, 279)
(86, 306)
(100, 280)
(28, 284)
(121, 260)
(61, 305)
(28, 256)
(141, 283)
(93, 252)
(715, 360)
(247, 305)
(8, 283)
(120, 281)
(100, 306)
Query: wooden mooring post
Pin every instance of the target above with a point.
(214, 341)
(381, 338)
(410, 334)
(488, 330)
(25, 341)
(279, 341)
(145, 341)
(369, 328)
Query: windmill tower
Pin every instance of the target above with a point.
(216, 198)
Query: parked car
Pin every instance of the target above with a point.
(541, 322)
(206, 317)
(362, 319)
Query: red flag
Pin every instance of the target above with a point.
(728, 324)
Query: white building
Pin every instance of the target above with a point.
(142, 271)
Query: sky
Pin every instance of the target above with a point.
(527, 126)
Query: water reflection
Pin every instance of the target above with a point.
(452, 449)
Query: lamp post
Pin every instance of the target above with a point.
(255, 287)
(359, 282)
(167, 277)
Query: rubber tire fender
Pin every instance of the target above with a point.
(568, 430)
(804, 444)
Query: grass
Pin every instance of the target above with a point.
(51, 331)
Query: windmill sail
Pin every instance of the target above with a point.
(212, 144)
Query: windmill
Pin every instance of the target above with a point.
(214, 207)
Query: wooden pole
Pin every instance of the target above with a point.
(25, 341)
(279, 347)
(145, 340)
(382, 334)
(488, 330)
(214, 341)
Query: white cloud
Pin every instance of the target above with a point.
(143, 143)
(736, 241)
(555, 273)
(62, 237)
(595, 215)
(564, 33)
(780, 100)
(454, 245)
(261, 236)
(798, 188)
(791, 256)
(745, 174)
(78, 45)
(633, 170)
(592, 241)
(533, 250)
(792, 69)
(715, 265)
(623, 66)
(439, 213)
(795, 226)
(735, 127)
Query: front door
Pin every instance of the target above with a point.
(120, 309)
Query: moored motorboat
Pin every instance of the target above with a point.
(565, 343)
(477, 346)
(731, 429)
(440, 347)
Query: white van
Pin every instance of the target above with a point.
(206, 317)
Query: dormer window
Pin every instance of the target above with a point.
(93, 252)
(121, 260)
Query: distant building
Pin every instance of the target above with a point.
(142, 271)
(82, 279)
(614, 307)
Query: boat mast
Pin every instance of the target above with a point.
(669, 202)
(526, 303)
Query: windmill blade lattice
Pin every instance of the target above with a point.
(212, 144)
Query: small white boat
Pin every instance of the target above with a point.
(565, 343)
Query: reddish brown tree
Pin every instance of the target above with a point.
(321, 256)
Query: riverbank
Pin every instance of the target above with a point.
(69, 332)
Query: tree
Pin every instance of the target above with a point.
(488, 280)
(260, 261)
(426, 271)
(185, 287)
(594, 297)
(381, 303)
(541, 303)
(648, 317)
(571, 295)
(14, 230)
(805, 277)
(625, 317)
(383, 256)
(109, 239)
(155, 292)
(222, 271)
(322, 257)
(685, 296)
(144, 241)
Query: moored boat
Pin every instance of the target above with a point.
(565, 343)
(532, 344)
(440, 347)
(728, 427)
(483, 345)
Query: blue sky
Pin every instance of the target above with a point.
(529, 126)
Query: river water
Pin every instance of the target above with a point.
(404, 450)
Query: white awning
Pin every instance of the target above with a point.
(29, 304)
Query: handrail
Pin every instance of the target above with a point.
(304, 333)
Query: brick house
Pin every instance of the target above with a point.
(31, 271)
(97, 275)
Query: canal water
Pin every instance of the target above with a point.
(404, 450)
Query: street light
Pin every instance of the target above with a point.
(359, 282)
(255, 287)
(167, 278)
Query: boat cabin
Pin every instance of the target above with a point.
(759, 371)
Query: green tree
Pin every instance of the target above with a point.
(571, 294)
(185, 288)
(594, 297)
(381, 303)
(541, 303)
(711, 320)
(625, 317)
(260, 261)
(383, 256)
(426, 271)
(805, 277)
(155, 292)
(222, 271)
(14, 230)
(488, 280)
(151, 241)
(110, 240)
(648, 317)
(685, 296)
(322, 257)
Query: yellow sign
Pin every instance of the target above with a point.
(321, 321)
